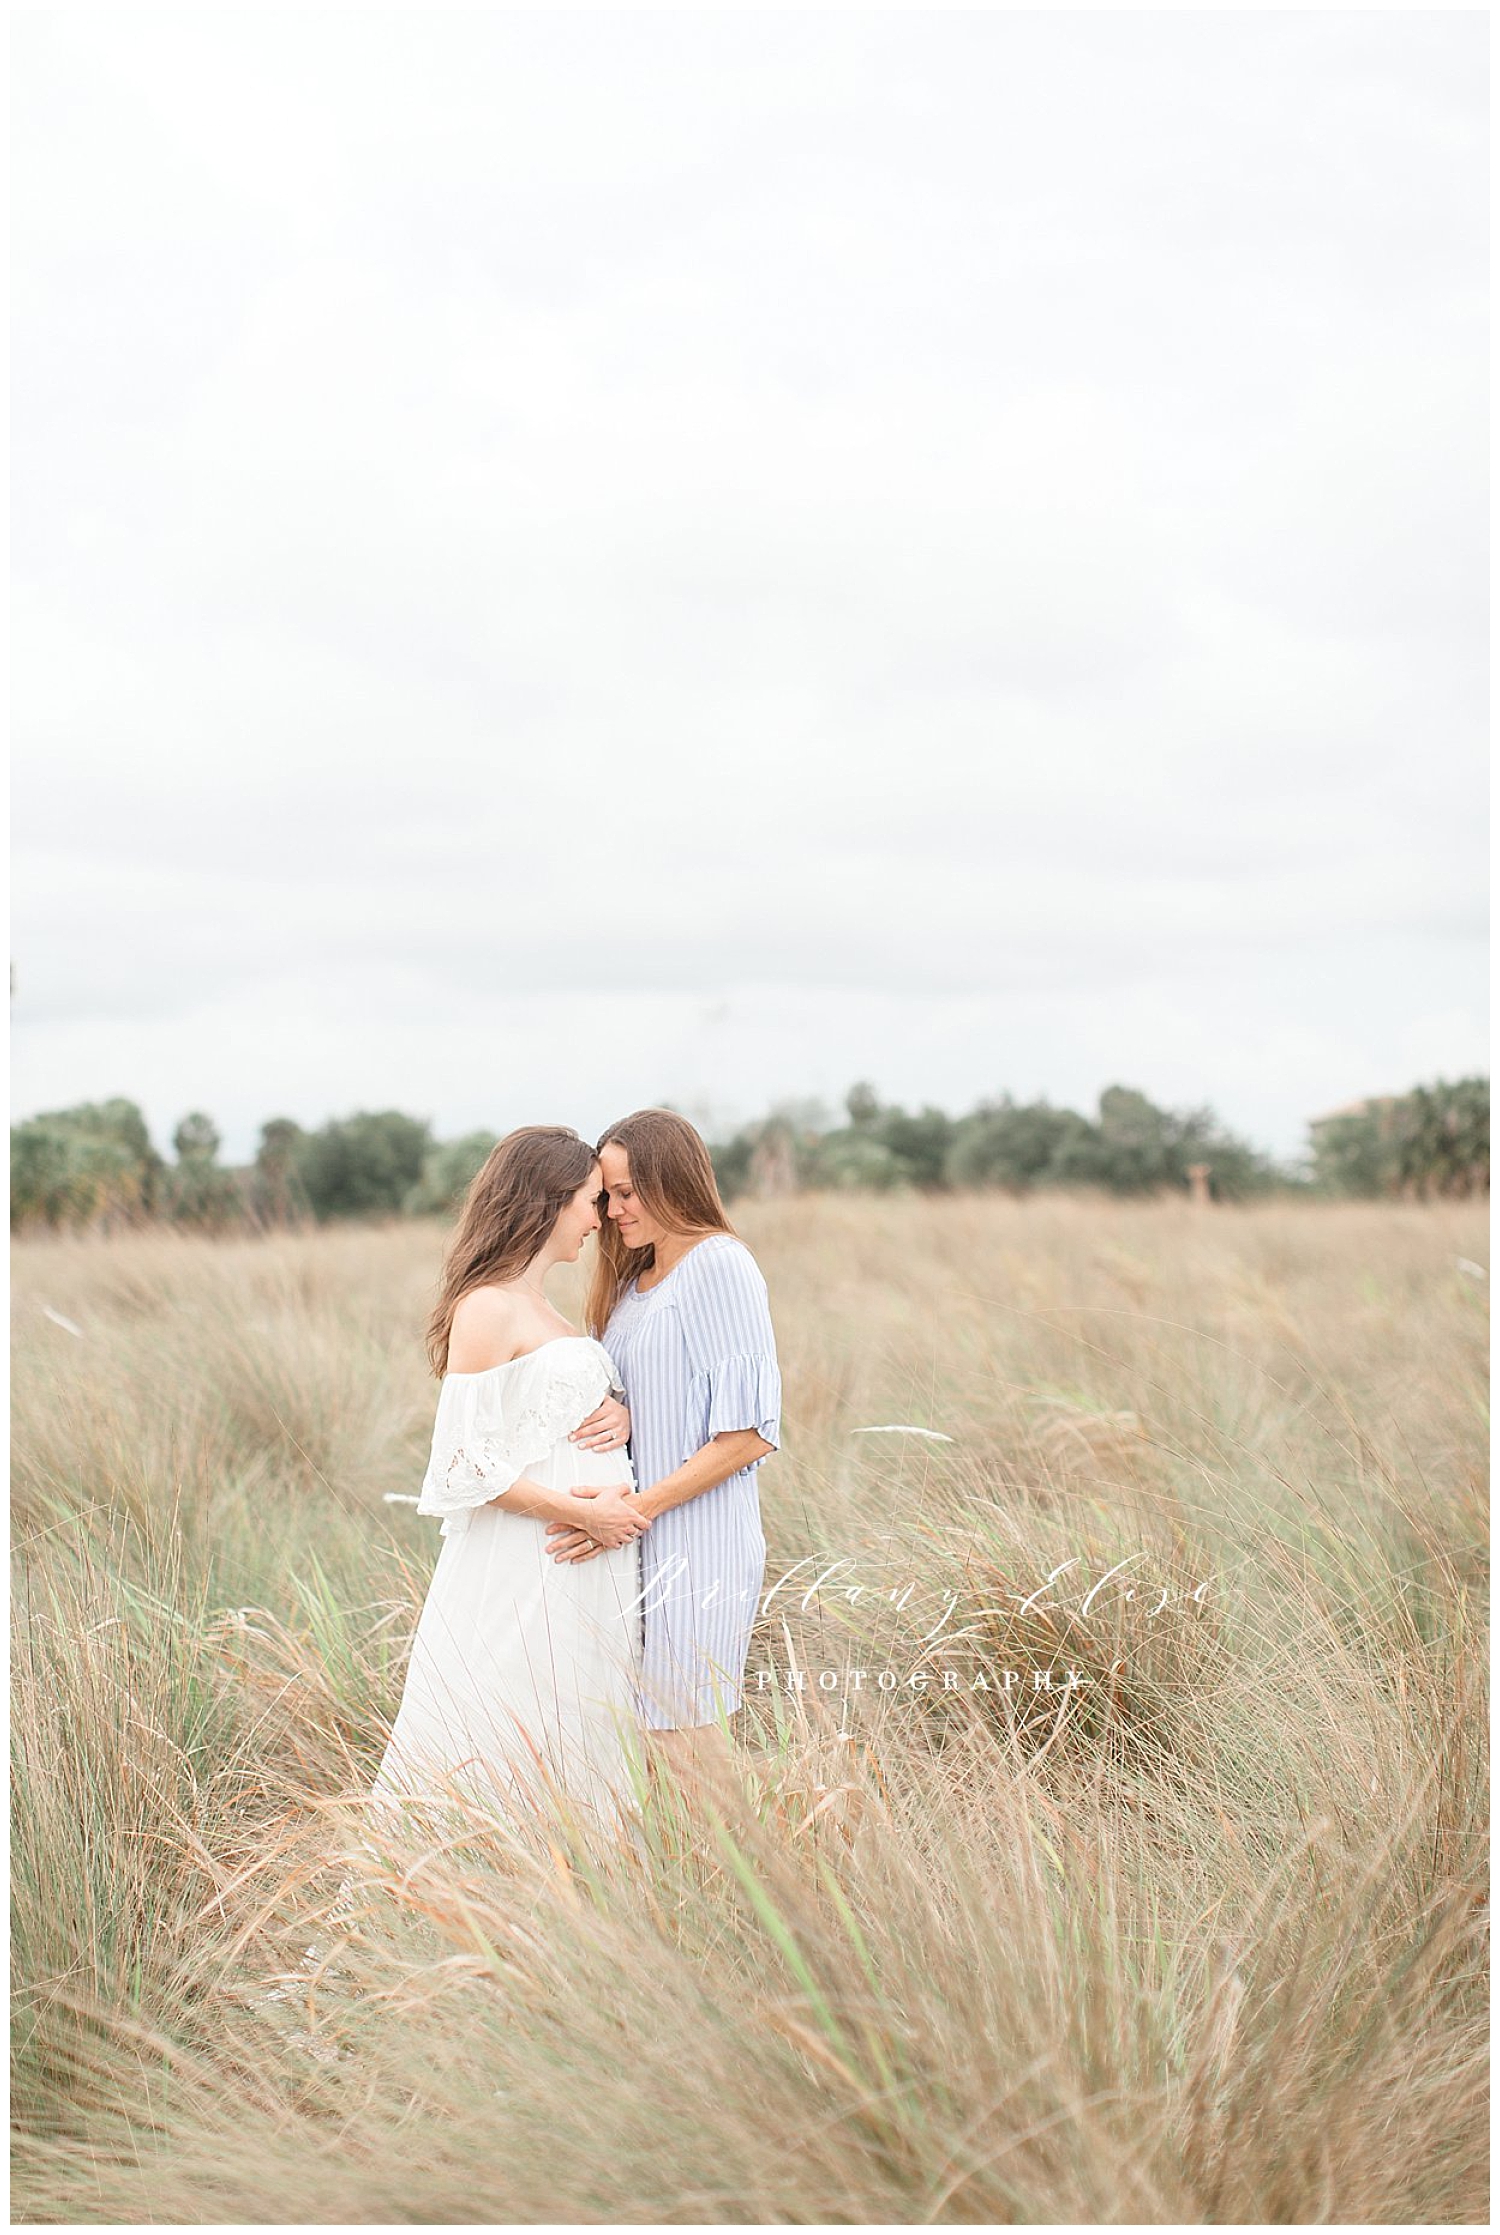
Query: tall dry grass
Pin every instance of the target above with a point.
(1196, 1937)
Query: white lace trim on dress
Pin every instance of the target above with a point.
(492, 1426)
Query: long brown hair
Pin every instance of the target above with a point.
(510, 1209)
(672, 1173)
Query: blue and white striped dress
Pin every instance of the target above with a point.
(697, 1356)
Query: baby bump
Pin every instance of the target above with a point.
(568, 1466)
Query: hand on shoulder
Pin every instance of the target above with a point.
(487, 1330)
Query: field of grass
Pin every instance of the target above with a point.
(1197, 1936)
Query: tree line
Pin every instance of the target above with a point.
(95, 1166)
(1433, 1141)
(1130, 1148)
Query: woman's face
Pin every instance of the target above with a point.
(636, 1225)
(578, 1218)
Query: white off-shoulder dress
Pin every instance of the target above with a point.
(523, 1669)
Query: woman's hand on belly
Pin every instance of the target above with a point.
(611, 1517)
(607, 1428)
(569, 1544)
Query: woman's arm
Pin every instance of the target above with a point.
(718, 1459)
(714, 1463)
(612, 1517)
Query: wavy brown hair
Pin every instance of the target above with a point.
(673, 1174)
(510, 1209)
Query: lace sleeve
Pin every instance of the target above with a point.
(491, 1427)
(481, 1443)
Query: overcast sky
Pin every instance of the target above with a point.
(569, 561)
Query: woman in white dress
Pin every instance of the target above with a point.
(523, 1670)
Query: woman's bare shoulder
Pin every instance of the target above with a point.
(486, 1329)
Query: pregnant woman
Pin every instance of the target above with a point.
(681, 1306)
(523, 1672)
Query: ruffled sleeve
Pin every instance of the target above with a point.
(727, 1321)
(492, 1426)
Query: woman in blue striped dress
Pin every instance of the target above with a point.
(681, 1307)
